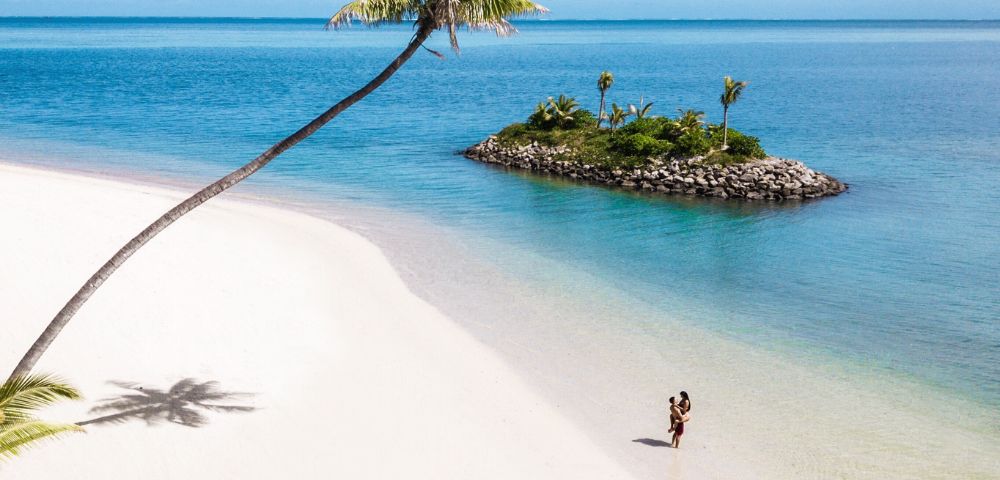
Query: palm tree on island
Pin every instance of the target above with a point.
(604, 83)
(689, 120)
(730, 95)
(617, 117)
(428, 16)
(563, 109)
(19, 398)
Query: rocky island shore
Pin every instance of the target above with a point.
(636, 150)
(768, 178)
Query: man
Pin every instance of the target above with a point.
(678, 416)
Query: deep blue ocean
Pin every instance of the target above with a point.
(902, 273)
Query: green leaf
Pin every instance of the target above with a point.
(21, 396)
(15, 437)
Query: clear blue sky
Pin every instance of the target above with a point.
(585, 9)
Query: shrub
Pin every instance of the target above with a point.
(547, 118)
(692, 143)
(649, 126)
(745, 145)
(513, 130)
(582, 118)
(541, 119)
(640, 145)
(724, 159)
(671, 131)
(715, 134)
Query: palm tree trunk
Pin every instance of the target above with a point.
(600, 113)
(725, 126)
(94, 282)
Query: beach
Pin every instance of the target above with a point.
(328, 364)
(251, 341)
(373, 303)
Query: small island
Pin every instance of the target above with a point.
(681, 155)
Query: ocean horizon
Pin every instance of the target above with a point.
(890, 289)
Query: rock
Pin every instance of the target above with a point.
(771, 178)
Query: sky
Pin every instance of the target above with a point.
(561, 9)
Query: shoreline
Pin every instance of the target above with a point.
(771, 178)
(303, 321)
(611, 383)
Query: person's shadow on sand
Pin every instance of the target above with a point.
(180, 404)
(652, 442)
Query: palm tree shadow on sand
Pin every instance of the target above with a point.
(183, 404)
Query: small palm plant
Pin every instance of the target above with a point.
(19, 398)
(541, 115)
(617, 117)
(604, 83)
(563, 110)
(689, 120)
(733, 91)
(642, 110)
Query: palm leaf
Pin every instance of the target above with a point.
(21, 396)
(449, 15)
(493, 14)
(645, 110)
(16, 436)
(605, 81)
(374, 13)
(732, 90)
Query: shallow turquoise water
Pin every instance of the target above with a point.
(901, 273)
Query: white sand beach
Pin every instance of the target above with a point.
(348, 374)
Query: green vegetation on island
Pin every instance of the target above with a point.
(631, 134)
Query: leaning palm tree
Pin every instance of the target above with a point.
(427, 15)
(19, 398)
(733, 91)
(604, 83)
(617, 117)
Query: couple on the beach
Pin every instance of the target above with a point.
(678, 417)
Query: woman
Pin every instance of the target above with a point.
(684, 407)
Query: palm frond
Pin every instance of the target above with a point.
(21, 396)
(449, 15)
(605, 81)
(493, 14)
(478, 15)
(16, 436)
(617, 117)
(563, 110)
(374, 13)
(641, 110)
(732, 90)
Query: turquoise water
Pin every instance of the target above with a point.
(900, 274)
